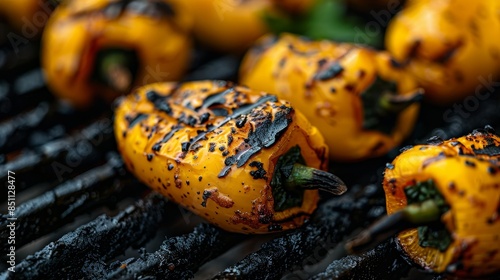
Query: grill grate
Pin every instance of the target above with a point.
(72, 156)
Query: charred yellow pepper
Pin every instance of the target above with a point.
(104, 48)
(234, 156)
(451, 47)
(348, 92)
(448, 194)
(234, 25)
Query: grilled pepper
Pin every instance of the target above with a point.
(234, 25)
(448, 194)
(451, 47)
(241, 159)
(348, 92)
(107, 47)
(27, 16)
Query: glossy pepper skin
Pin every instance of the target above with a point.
(234, 25)
(451, 47)
(325, 81)
(466, 171)
(79, 29)
(27, 15)
(212, 147)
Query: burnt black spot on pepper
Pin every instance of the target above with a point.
(133, 121)
(492, 170)
(333, 90)
(187, 182)
(389, 166)
(330, 72)
(216, 99)
(229, 139)
(211, 147)
(199, 179)
(260, 173)
(170, 167)
(185, 146)
(156, 147)
(222, 148)
(230, 160)
(150, 157)
(220, 112)
(225, 153)
(241, 121)
(470, 163)
(192, 121)
(204, 118)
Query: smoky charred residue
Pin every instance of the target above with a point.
(133, 121)
(160, 101)
(267, 132)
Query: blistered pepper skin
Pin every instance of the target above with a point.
(451, 47)
(212, 147)
(78, 30)
(325, 80)
(466, 171)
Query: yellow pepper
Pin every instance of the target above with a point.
(225, 153)
(133, 43)
(345, 90)
(465, 171)
(234, 25)
(451, 47)
(444, 199)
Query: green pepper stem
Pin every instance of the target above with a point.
(114, 69)
(304, 177)
(412, 216)
(390, 103)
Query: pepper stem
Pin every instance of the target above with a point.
(115, 71)
(308, 178)
(412, 216)
(393, 104)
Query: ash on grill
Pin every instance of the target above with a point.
(79, 212)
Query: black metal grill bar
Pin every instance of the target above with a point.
(54, 160)
(47, 121)
(331, 222)
(77, 252)
(59, 206)
(178, 257)
(383, 262)
(18, 92)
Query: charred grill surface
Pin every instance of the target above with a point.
(78, 253)
(331, 222)
(59, 206)
(178, 257)
(383, 262)
(58, 159)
